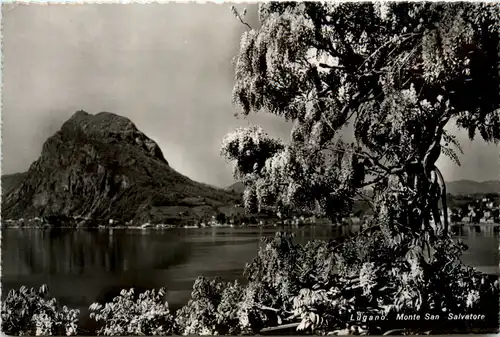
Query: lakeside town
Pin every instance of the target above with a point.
(480, 210)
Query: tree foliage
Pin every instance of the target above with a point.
(145, 314)
(370, 89)
(28, 312)
(212, 310)
(322, 285)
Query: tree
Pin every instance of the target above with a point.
(455, 215)
(370, 89)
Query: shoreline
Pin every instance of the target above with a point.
(37, 224)
(167, 226)
(158, 227)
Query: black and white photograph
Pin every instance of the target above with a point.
(261, 168)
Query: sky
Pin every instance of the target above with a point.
(167, 67)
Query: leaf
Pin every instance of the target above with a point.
(301, 326)
(43, 290)
(342, 332)
(307, 324)
(391, 332)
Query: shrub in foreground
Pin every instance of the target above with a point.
(212, 310)
(145, 314)
(29, 312)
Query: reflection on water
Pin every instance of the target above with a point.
(83, 266)
(75, 253)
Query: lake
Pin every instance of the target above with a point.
(84, 266)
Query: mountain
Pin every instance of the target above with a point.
(102, 167)
(466, 187)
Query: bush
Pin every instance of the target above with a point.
(28, 312)
(212, 310)
(147, 314)
(378, 281)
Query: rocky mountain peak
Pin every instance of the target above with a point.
(105, 127)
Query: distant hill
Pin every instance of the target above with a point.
(237, 187)
(466, 187)
(102, 167)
